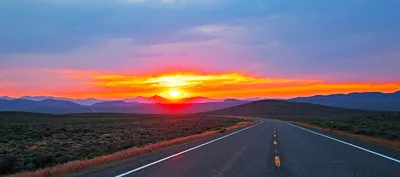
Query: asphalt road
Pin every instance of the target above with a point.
(270, 148)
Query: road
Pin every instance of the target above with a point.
(270, 148)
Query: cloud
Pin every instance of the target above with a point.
(335, 42)
(114, 85)
(127, 55)
(223, 85)
(39, 26)
(185, 80)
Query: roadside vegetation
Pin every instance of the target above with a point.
(30, 142)
(384, 126)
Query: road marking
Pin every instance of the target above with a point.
(277, 161)
(352, 145)
(275, 142)
(185, 151)
(274, 135)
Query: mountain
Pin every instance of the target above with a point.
(253, 99)
(117, 107)
(279, 108)
(139, 99)
(38, 98)
(231, 100)
(159, 99)
(227, 107)
(6, 98)
(44, 106)
(365, 101)
(51, 106)
(87, 102)
(199, 99)
(159, 108)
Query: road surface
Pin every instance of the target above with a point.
(270, 148)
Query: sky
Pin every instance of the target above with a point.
(213, 48)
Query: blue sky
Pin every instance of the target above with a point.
(336, 41)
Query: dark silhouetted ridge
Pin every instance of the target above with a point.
(285, 108)
(45, 106)
(366, 100)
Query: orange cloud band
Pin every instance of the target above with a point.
(234, 85)
(82, 84)
(188, 80)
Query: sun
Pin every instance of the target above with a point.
(175, 94)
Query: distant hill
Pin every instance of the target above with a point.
(139, 99)
(153, 99)
(159, 99)
(278, 108)
(6, 98)
(51, 106)
(231, 100)
(44, 106)
(88, 101)
(365, 101)
(199, 99)
(159, 108)
(159, 105)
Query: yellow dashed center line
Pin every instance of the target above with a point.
(277, 161)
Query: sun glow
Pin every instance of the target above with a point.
(175, 94)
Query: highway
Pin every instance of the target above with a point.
(269, 148)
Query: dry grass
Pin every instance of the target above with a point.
(80, 165)
(34, 143)
(380, 141)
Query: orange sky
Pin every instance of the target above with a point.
(106, 85)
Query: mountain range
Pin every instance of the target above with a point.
(159, 105)
(162, 108)
(365, 101)
(44, 106)
(52, 106)
(139, 99)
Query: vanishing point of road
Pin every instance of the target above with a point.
(269, 148)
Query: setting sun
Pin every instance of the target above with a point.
(175, 94)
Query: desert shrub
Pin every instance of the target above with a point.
(63, 159)
(43, 160)
(7, 163)
(386, 126)
(30, 167)
(31, 142)
(93, 155)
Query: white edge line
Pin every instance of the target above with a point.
(185, 151)
(358, 147)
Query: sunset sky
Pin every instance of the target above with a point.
(213, 48)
